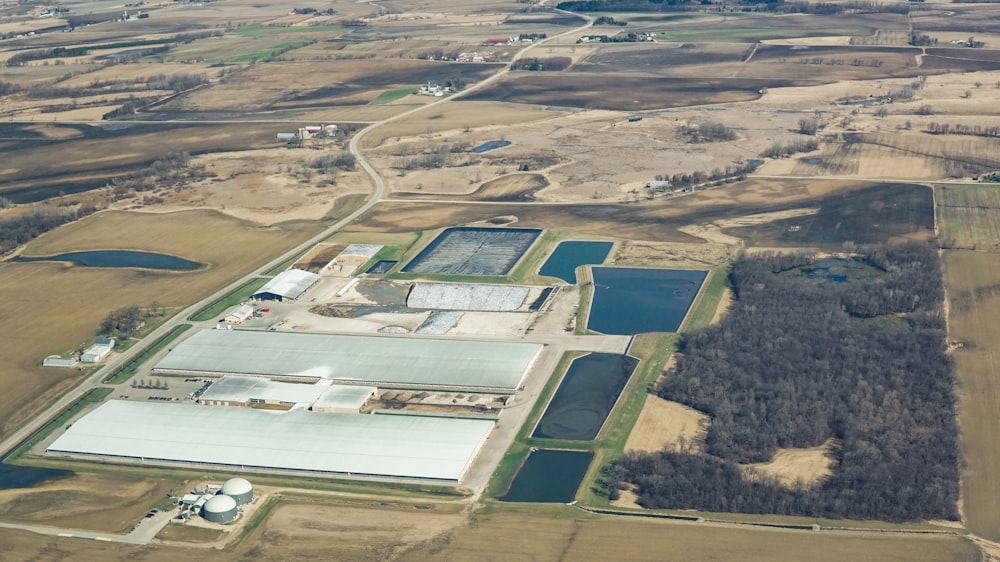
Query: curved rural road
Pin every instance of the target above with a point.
(25, 431)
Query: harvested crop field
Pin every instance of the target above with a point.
(534, 537)
(86, 157)
(623, 92)
(293, 85)
(67, 310)
(974, 304)
(969, 216)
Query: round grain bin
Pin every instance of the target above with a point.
(220, 509)
(239, 489)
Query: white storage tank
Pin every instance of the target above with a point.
(239, 489)
(219, 509)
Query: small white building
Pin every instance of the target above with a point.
(97, 352)
(57, 361)
(242, 313)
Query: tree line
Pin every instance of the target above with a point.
(962, 129)
(801, 358)
(18, 230)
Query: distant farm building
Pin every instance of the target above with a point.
(658, 186)
(97, 352)
(57, 361)
(242, 313)
(287, 285)
(496, 41)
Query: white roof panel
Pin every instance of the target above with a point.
(289, 284)
(344, 396)
(376, 360)
(398, 446)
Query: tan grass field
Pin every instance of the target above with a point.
(110, 503)
(974, 303)
(56, 307)
(793, 467)
(666, 425)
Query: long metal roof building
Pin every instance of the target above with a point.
(289, 284)
(352, 444)
(381, 361)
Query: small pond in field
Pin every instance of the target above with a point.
(118, 258)
(572, 254)
(585, 397)
(490, 145)
(549, 475)
(12, 476)
(631, 300)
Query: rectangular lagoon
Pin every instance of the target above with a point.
(474, 251)
(549, 475)
(631, 300)
(572, 254)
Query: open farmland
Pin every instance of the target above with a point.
(294, 85)
(75, 299)
(969, 217)
(70, 158)
(524, 535)
(622, 92)
(974, 302)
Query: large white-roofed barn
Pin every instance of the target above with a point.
(382, 361)
(299, 441)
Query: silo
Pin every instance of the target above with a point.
(239, 489)
(220, 509)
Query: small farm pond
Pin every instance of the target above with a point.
(585, 397)
(549, 476)
(490, 145)
(12, 476)
(837, 270)
(119, 258)
(635, 300)
(382, 266)
(572, 254)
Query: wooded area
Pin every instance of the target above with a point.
(806, 354)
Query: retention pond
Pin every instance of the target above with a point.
(636, 300)
(572, 254)
(549, 475)
(118, 258)
(585, 397)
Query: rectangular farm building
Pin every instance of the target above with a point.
(381, 361)
(287, 285)
(352, 444)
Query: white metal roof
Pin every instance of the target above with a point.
(289, 284)
(242, 311)
(242, 389)
(376, 360)
(383, 445)
(344, 396)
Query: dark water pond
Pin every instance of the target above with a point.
(382, 266)
(549, 476)
(12, 476)
(490, 145)
(118, 258)
(570, 255)
(635, 301)
(585, 397)
(837, 270)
